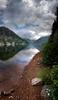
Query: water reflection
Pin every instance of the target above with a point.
(9, 48)
(24, 56)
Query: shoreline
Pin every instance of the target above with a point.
(23, 88)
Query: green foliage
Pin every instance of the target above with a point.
(47, 52)
(10, 47)
(50, 57)
(8, 52)
(50, 78)
(54, 86)
(10, 43)
(50, 51)
(44, 74)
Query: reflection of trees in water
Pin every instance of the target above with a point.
(10, 43)
(9, 46)
(7, 52)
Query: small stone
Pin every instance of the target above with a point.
(11, 97)
(38, 63)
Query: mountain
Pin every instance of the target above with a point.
(8, 33)
(10, 43)
(40, 42)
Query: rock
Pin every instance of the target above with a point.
(11, 97)
(36, 81)
(6, 93)
(38, 63)
(45, 93)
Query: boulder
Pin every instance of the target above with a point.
(36, 81)
(45, 93)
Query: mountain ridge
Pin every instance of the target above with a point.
(10, 43)
(41, 42)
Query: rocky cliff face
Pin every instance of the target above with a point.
(55, 25)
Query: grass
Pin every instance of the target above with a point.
(44, 74)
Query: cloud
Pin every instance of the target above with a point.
(3, 4)
(28, 15)
(26, 11)
(28, 3)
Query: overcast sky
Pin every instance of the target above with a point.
(28, 18)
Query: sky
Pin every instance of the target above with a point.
(29, 19)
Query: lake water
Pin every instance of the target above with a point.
(23, 57)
